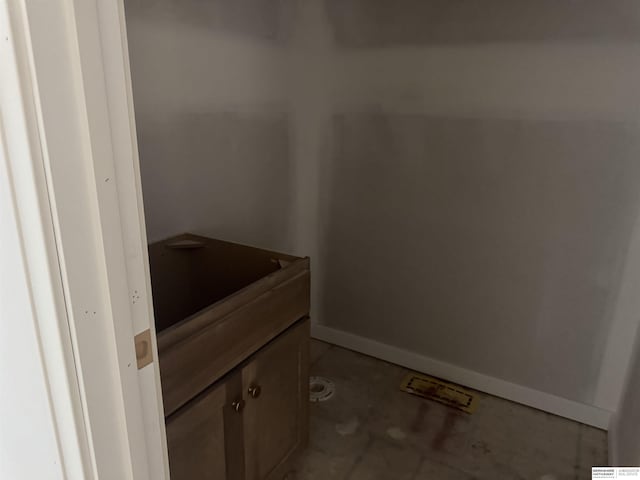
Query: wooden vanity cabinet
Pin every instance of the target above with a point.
(233, 343)
(248, 425)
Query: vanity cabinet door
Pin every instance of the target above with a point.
(276, 418)
(204, 437)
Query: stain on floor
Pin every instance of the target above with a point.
(403, 437)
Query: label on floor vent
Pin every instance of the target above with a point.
(439, 391)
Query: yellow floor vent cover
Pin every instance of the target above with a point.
(440, 391)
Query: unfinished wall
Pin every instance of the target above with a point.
(491, 244)
(624, 436)
(464, 174)
(480, 181)
(212, 117)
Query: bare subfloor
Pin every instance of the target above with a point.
(371, 430)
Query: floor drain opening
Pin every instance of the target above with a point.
(320, 389)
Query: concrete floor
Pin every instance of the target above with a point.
(370, 430)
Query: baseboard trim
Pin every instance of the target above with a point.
(580, 412)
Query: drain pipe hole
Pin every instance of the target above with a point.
(321, 389)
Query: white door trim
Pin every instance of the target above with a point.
(78, 161)
(30, 268)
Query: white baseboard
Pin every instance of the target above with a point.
(547, 402)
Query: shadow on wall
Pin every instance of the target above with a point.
(235, 165)
(378, 23)
(480, 242)
(264, 19)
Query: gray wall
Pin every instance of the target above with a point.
(464, 174)
(212, 117)
(624, 434)
(494, 245)
(379, 23)
(480, 182)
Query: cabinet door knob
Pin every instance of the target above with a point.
(238, 405)
(254, 391)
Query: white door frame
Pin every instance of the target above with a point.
(70, 153)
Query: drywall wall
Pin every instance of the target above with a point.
(212, 117)
(463, 174)
(624, 439)
(489, 243)
(478, 182)
(378, 23)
